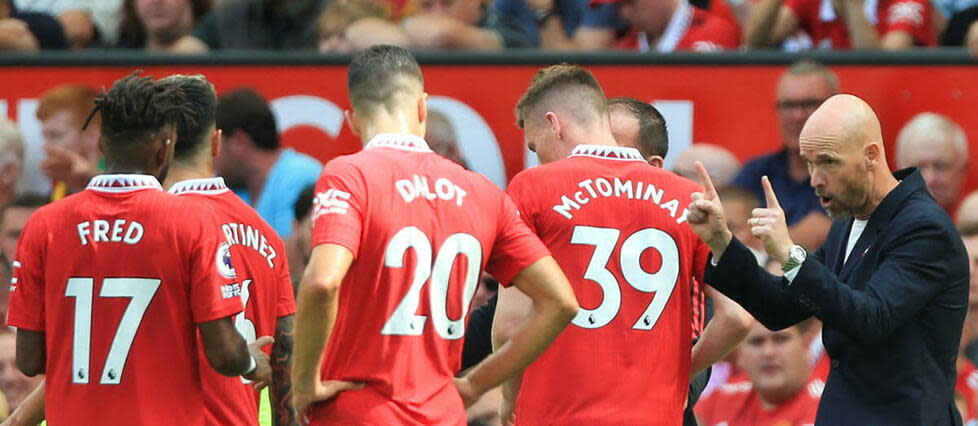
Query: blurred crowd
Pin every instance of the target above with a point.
(771, 377)
(196, 26)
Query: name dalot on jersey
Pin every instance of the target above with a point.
(418, 187)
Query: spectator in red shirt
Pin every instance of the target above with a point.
(843, 24)
(674, 25)
(781, 386)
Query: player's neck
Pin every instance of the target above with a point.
(127, 169)
(181, 172)
(391, 124)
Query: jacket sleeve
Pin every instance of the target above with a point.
(912, 270)
(738, 276)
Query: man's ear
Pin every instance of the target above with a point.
(423, 113)
(872, 155)
(656, 160)
(353, 122)
(216, 140)
(554, 121)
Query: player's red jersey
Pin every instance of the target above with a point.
(262, 273)
(736, 404)
(689, 29)
(616, 226)
(828, 30)
(421, 228)
(967, 386)
(116, 277)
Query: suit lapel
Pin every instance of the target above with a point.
(910, 181)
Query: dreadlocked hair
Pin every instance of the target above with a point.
(137, 109)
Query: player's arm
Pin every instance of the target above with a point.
(280, 393)
(512, 309)
(553, 307)
(317, 304)
(31, 352)
(228, 352)
(730, 324)
(769, 23)
(31, 410)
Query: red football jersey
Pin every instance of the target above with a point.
(828, 30)
(422, 229)
(266, 289)
(117, 276)
(689, 29)
(967, 386)
(736, 404)
(616, 226)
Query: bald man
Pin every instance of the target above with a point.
(890, 283)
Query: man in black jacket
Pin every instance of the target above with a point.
(890, 284)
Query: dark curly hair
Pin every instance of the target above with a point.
(137, 109)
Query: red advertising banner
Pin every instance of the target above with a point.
(728, 105)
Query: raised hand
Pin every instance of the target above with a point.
(706, 216)
(769, 225)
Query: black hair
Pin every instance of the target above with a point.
(246, 110)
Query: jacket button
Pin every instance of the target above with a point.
(835, 364)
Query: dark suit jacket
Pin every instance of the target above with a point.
(892, 314)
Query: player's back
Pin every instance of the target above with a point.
(118, 281)
(616, 226)
(261, 278)
(422, 229)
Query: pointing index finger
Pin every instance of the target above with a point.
(709, 190)
(769, 196)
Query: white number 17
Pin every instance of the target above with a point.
(140, 291)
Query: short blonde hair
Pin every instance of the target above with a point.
(557, 78)
(11, 144)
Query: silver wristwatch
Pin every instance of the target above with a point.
(796, 256)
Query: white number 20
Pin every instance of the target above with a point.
(405, 319)
(140, 291)
(662, 283)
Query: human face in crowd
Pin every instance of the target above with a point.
(777, 362)
(14, 219)
(971, 244)
(738, 211)
(650, 16)
(168, 19)
(797, 98)
(14, 384)
(60, 130)
(467, 11)
(941, 164)
(840, 176)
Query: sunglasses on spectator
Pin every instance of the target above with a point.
(805, 104)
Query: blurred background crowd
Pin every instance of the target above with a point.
(772, 378)
(195, 26)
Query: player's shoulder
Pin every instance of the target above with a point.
(545, 172)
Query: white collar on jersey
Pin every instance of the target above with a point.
(826, 12)
(123, 183)
(610, 152)
(209, 186)
(674, 32)
(403, 141)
